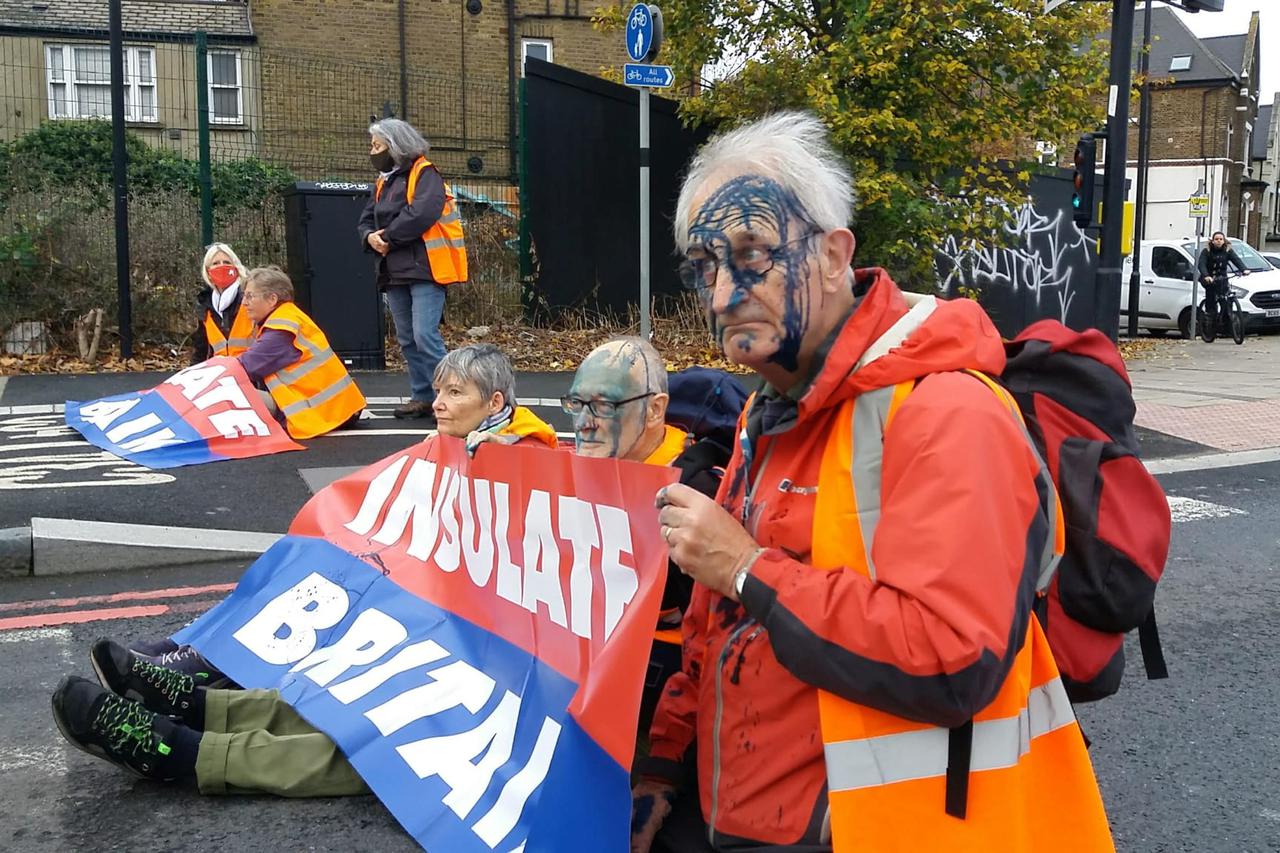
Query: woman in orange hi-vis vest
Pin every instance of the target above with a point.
(222, 326)
(411, 225)
(306, 383)
(863, 670)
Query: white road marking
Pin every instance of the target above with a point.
(1191, 509)
(152, 535)
(41, 445)
(37, 409)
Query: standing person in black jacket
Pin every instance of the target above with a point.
(413, 227)
(222, 325)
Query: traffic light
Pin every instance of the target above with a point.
(1083, 180)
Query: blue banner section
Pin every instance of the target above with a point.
(141, 427)
(465, 737)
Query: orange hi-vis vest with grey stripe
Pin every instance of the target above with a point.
(446, 247)
(315, 394)
(888, 777)
(239, 339)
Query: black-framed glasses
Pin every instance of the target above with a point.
(700, 273)
(598, 408)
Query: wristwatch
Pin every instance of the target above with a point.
(740, 580)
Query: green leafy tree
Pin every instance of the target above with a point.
(936, 103)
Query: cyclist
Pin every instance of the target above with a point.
(1212, 269)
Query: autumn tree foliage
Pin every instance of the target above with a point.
(937, 103)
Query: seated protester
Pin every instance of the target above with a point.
(475, 399)
(307, 384)
(618, 401)
(223, 326)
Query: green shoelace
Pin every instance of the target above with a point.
(128, 728)
(170, 683)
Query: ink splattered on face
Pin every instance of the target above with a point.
(615, 371)
(757, 317)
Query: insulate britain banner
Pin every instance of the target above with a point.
(473, 633)
(205, 413)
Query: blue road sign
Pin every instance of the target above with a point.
(656, 76)
(639, 32)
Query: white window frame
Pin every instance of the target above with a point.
(238, 118)
(524, 50)
(1180, 63)
(67, 107)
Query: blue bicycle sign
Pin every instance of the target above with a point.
(639, 32)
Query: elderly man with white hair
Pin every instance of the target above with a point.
(862, 669)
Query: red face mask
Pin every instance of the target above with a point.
(223, 276)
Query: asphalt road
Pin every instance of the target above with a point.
(1187, 764)
(48, 470)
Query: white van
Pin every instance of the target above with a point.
(1168, 269)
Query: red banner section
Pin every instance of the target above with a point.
(558, 554)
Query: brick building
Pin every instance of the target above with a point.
(54, 66)
(1204, 117)
(451, 68)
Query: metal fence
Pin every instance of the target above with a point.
(215, 130)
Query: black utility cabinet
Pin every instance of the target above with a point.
(333, 279)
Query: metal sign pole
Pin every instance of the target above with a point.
(1195, 277)
(644, 214)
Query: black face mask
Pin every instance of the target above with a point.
(382, 161)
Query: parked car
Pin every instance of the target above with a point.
(1167, 272)
(1272, 258)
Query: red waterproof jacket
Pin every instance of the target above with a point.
(930, 639)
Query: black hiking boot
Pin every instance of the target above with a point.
(123, 732)
(157, 688)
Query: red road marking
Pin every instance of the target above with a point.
(46, 620)
(133, 595)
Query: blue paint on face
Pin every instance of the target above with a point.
(753, 210)
(617, 372)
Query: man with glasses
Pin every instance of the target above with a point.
(618, 401)
(861, 661)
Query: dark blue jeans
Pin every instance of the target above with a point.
(417, 310)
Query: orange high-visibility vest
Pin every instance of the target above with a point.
(887, 775)
(446, 247)
(240, 338)
(315, 394)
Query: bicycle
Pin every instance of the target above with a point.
(1222, 314)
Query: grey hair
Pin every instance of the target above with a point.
(271, 280)
(403, 140)
(215, 248)
(655, 368)
(483, 364)
(794, 149)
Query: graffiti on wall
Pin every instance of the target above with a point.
(1045, 266)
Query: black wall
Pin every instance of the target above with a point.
(581, 190)
(1046, 267)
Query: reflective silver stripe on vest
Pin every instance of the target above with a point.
(243, 343)
(902, 757)
(324, 396)
(870, 411)
(280, 321)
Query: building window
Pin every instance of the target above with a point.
(79, 78)
(537, 48)
(1180, 63)
(226, 97)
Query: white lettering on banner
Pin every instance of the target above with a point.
(460, 520)
(417, 654)
(372, 635)
(466, 761)
(578, 526)
(106, 412)
(313, 604)
(150, 441)
(458, 683)
(227, 390)
(195, 379)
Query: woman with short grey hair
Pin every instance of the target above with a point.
(475, 399)
(412, 227)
